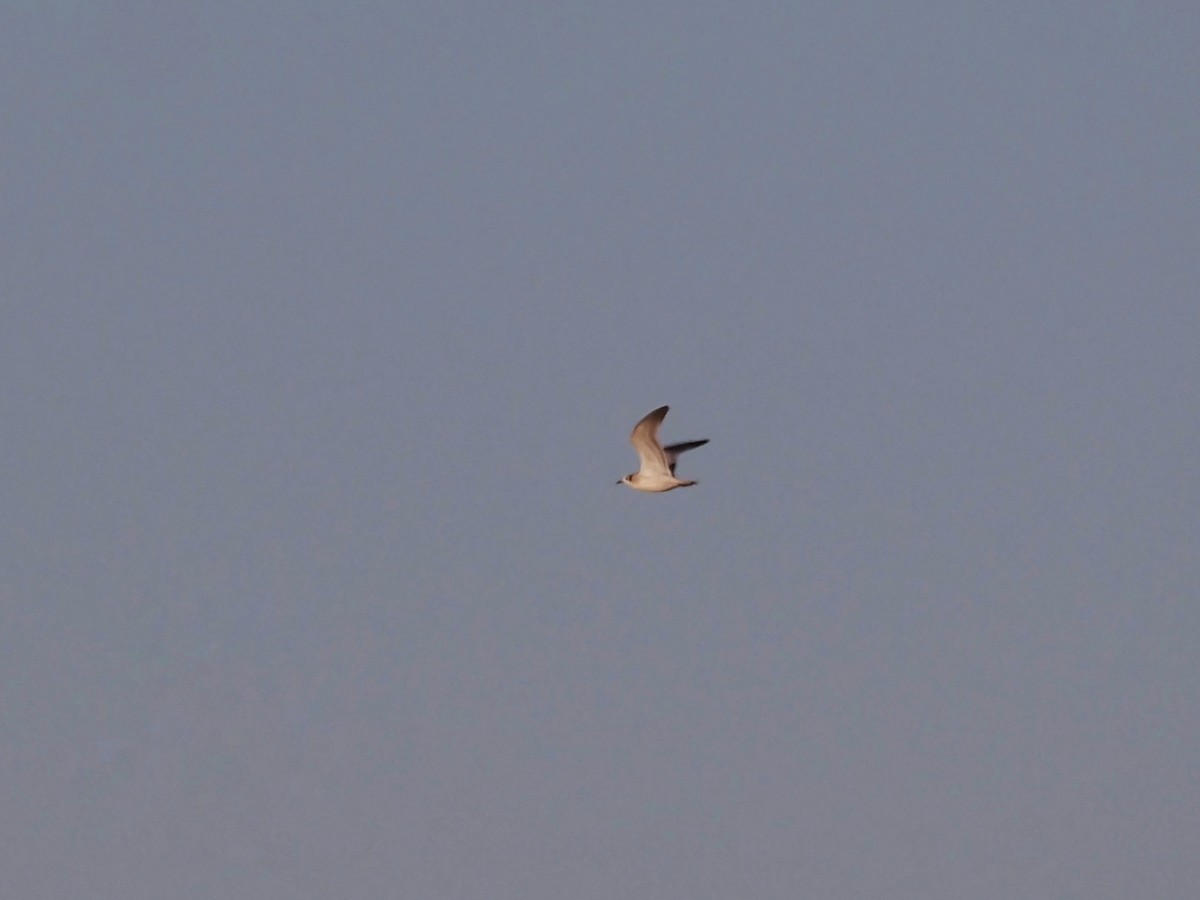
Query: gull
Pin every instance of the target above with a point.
(657, 472)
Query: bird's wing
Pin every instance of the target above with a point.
(645, 442)
(672, 452)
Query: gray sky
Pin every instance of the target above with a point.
(324, 327)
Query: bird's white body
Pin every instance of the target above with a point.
(657, 472)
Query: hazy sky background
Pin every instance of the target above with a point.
(323, 330)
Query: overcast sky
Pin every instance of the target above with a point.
(323, 329)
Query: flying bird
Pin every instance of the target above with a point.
(657, 472)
